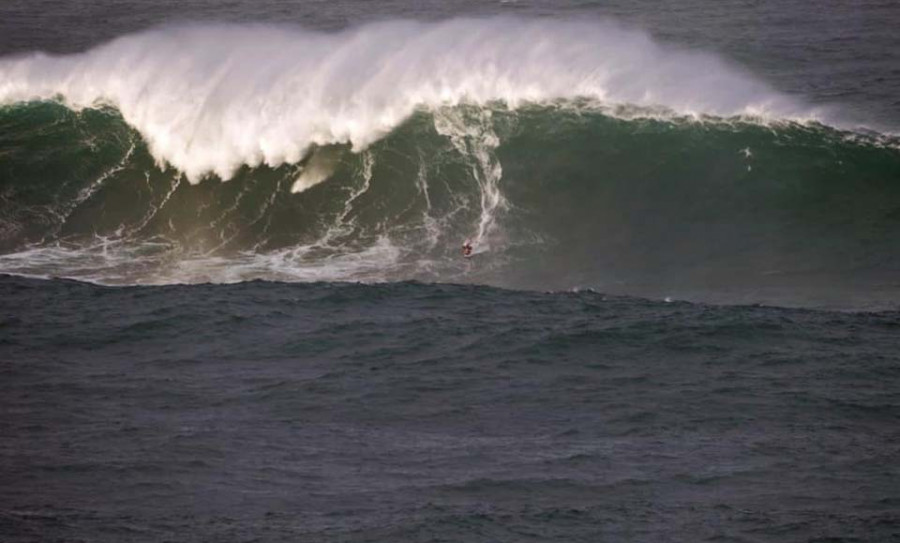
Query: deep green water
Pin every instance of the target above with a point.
(696, 209)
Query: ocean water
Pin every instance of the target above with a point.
(233, 305)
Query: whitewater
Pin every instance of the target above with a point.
(208, 99)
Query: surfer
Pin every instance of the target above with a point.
(467, 249)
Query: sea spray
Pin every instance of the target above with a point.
(211, 98)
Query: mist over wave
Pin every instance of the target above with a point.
(208, 99)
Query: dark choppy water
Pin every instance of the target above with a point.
(411, 412)
(290, 348)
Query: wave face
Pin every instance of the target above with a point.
(573, 154)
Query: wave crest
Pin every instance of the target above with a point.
(209, 99)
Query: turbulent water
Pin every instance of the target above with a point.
(233, 305)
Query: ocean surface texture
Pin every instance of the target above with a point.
(233, 306)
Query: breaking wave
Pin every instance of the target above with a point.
(573, 154)
(209, 99)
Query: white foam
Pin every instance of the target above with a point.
(319, 168)
(474, 137)
(208, 99)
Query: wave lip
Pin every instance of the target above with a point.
(211, 98)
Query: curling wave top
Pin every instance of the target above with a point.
(208, 99)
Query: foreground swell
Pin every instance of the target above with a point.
(407, 412)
